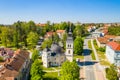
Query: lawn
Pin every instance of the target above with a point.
(50, 76)
(101, 55)
(92, 53)
(78, 56)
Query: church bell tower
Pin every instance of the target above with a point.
(69, 46)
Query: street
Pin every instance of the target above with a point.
(89, 65)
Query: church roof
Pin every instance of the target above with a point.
(56, 48)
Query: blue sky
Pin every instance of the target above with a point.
(59, 10)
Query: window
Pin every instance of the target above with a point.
(68, 45)
(68, 51)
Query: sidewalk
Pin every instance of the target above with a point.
(82, 72)
(100, 73)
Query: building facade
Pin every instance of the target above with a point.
(69, 47)
(17, 67)
(55, 55)
(113, 53)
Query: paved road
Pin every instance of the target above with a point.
(89, 65)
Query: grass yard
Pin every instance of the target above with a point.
(101, 55)
(92, 53)
(78, 56)
(50, 76)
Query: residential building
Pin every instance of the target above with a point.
(113, 52)
(60, 33)
(6, 53)
(17, 67)
(102, 41)
(49, 35)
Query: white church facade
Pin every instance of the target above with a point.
(55, 56)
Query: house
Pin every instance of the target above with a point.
(49, 35)
(113, 52)
(91, 28)
(6, 53)
(17, 67)
(102, 41)
(60, 33)
(54, 56)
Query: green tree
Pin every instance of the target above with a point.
(111, 72)
(64, 38)
(4, 36)
(32, 38)
(46, 43)
(56, 38)
(36, 71)
(69, 71)
(35, 55)
(78, 46)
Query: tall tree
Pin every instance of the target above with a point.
(36, 71)
(46, 43)
(111, 73)
(64, 38)
(69, 71)
(78, 46)
(35, 55)
(56, 38)
(32, 39)
(4, 35)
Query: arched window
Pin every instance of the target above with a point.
(68, 51)
(68, 45)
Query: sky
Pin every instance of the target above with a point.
(40, 11)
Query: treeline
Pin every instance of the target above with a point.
(27, 34)
(19, 34)
(114, 30)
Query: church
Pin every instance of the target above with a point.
(55, 56)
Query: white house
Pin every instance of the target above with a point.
(113, 52)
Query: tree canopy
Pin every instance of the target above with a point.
(78, 46)
(111, 72)
(69, 71)
(35, 55)
(36, 71)
(32, 38)
(114, 30)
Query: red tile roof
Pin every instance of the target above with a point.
(114, 45)
(60, 31)
(12, 67)
(105, 39)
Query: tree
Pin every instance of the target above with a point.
(69, 71)
(78, 46)
(4, 36)
(35, 55)
(46, 43)
(56, 38)
(32, 38)
(36, 71)
(111, 72)
(64, 38)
